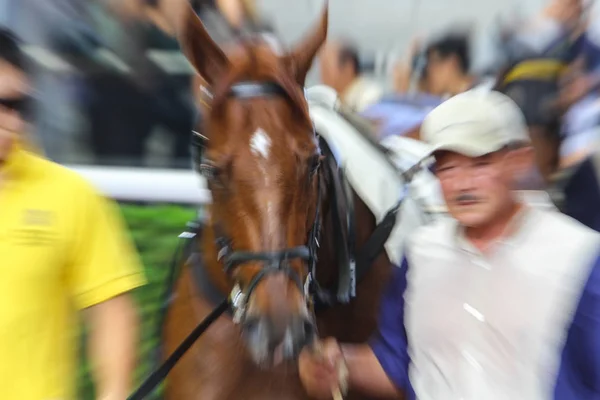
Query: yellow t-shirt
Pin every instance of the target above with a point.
(63, 248)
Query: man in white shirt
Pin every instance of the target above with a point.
(500, 301)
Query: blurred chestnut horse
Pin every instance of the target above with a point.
(271, 206)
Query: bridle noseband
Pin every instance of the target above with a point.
(274, 262)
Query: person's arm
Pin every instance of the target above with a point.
(103, 268)
(378, 368)
(580, 365)
(112, 346)
(386, 355)
(402, 73)
(366, 373)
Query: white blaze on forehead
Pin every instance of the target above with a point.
(260, 143)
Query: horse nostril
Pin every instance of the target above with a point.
(251, 324)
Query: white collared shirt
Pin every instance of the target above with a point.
(459, 324)
(492, 326)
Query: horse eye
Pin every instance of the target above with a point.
(209, 171)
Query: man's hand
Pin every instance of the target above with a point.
(319, 369)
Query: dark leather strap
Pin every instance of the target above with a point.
(375, 244)
(341, 291)
(250, 90)
(181, 254)
(347, 274)
(236, 258)
(203, 281)
(152, 382)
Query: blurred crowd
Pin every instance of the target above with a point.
(113, 88)
(435, 68)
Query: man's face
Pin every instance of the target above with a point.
(440, 71)
(13, 87)
(475, 189)
(334, 73)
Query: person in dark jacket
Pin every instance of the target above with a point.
(534, 85)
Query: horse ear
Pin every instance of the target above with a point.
(200, 49)
(302, 56)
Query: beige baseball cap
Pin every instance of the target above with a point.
(475, 123)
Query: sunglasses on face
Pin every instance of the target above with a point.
(16, 104)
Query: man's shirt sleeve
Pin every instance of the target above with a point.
(103, 262)
(390, 344)
(579, 374)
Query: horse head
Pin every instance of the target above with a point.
(260, 159)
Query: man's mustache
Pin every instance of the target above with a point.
(466, 197)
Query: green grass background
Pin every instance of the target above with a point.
(155, 230)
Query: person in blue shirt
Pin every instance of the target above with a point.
(399, 114)
(499, 301)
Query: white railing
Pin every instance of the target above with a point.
(147, 184)
(186, 187)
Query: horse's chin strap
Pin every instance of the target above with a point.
(277, 261)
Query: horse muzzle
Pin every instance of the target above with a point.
(272, 341)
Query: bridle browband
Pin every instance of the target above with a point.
(277, 261)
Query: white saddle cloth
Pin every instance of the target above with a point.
(375, 181)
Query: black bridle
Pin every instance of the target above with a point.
(273, 262)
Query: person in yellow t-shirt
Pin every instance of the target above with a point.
(63, 249)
